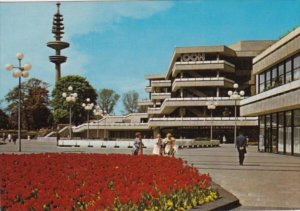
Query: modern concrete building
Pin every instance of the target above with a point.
(195, 77)
(110, 128)
(277, 99)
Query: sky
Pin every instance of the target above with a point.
(114, 44)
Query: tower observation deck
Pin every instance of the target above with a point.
(58, 44)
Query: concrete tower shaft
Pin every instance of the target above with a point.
(58, 44)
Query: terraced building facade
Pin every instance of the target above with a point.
(195, 77)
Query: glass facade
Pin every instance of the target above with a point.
(282, 73)
(280, 132)
(296, 132)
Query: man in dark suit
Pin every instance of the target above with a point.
(241, 143)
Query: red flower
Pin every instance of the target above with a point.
(63, 181)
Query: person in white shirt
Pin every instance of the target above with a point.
(158, 146)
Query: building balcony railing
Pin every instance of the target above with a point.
(201, 82)
(170, 104)
(202, 121)
(219, 65)
(148, 89)
(145, 103)
(160, 96)
(161, 83)
(154, 111)
(110, 126)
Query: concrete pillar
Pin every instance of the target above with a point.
(218, 75)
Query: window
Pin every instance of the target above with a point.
(288, 131)
(268, 80)
(281, 74)
(261, 82)
(261, 145)
(297, 67)
(274, 133)
(281, 132)
(297, 131)
(288, 71)
(275, 79)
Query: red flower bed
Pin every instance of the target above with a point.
(97, 181)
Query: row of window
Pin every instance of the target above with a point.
(280, 132)
(285, 72)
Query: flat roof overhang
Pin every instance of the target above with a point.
(278, 99)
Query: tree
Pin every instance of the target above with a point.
(130, 101)
(3, 120)
(107, 100)
(60, 106)
(35, 112)
(143, 109)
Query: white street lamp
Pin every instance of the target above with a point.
(211, 105)
(235, 95)
(99, 113)
(70, 98)
(21, 71)
(88, 106)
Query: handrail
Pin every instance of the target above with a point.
(160, 93)
(202, 118)
(203, 79)
(168, 100)
(207, 62)
(160, 81)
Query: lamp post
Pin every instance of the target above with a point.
(211, 105)
(235, 95)
(99, 113)
(21, 71)
(70, 97)
(88, 106)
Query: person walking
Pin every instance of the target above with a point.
(9, 137)
(138, 144)
(173, 147)
(158, 146)
(241, 143)
(167, 143)
(224, 139)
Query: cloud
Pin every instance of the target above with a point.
(98, 17)
(26, 27)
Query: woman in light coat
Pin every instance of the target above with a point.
(158, 146)
(167, 143)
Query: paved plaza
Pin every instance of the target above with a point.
(266, 181)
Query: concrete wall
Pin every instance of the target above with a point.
(277, 103)
(278, 99)
(282, 49)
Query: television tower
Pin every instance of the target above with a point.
(58, 44)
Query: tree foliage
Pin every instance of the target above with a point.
(35, 112)
(143, 109)
(3, 120)
(130, 101)
(107, 100)
(60, 106)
